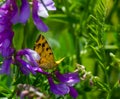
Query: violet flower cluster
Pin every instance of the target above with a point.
(11, 14)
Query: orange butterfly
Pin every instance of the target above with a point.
(46, 55)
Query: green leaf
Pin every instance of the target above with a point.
(18, 36)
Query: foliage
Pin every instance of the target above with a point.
(85, 32)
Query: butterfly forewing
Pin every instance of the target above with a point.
(46, 55)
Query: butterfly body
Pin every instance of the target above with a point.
(46, 55)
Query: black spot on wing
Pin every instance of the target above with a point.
(50, 53)
(47, 48)
(43, 45)
(39, 45)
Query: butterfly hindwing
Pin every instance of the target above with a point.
(46, 55)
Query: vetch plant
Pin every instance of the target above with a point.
(26, 59)
(85, 32)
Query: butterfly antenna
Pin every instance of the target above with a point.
(59, 61)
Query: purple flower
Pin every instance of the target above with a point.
(37, 21)
(15, 15)
(40, 9)
(73, 92)
(24, 11)
(26, 59)
(6, 51)
(9, 9)
(69, 79)
(44, 6)
(65, 85)
(59, 89)
(10, 14)
(7, 13)
(5, 68)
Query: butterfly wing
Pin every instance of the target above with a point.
(46, 55)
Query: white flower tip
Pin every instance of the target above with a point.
(34, 54)
(43, 14)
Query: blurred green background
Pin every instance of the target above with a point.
(85, 32)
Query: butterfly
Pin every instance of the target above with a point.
(47, 60)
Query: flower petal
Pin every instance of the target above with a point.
(44, 6)
(73, 92)
(42, 11)
(31, 55)
(38, 69)
(14, 12)
(59, 89)
(29, 64)
(34, 54)
(25, 67)
(8, 12)
(5, 43)
(5, 69)
(4, 27)
(69, 78)
(49, 4)
(37, 21)
(24, 11)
